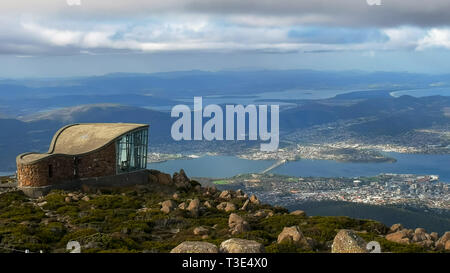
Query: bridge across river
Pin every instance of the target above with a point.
(275, 165)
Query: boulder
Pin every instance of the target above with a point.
(443, 242)
(237, 224)
(254, 200)
(200, 231)
(226, 195)
(402, 237)
(426, 243)
(346, 241)
(194, 207)
(396, 227)
(226, 206)
(420, 235)
(195, 247)
(235, 245)
(299, 213)
(434, 236)
(292, 235)
(167, 206)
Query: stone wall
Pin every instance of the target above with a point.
(68, 168)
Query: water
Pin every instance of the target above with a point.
(269, 97)
(444, 91)
(7, 173)
(212, 166)
(227, 166)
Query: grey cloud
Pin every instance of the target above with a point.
(327, 12)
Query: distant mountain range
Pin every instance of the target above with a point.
(32, 110)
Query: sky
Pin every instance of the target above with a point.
(61, 38)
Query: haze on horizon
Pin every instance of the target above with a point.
(54, 39)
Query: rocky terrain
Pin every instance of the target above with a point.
(176, 214)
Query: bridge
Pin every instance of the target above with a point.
(275, 165)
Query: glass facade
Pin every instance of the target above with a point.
(132, 151)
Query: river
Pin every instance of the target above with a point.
(227, 166)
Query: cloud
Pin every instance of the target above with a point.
(392, 13)
(167, 34)
(435, 38)
(95, 27)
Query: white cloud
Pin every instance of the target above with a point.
(439, 38)
(35, 36)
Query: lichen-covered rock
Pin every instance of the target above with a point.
(237, 224)
(293, 235)
(195, 247)
(346, 241)
(235, 245)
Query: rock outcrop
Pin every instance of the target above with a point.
(235, 245)
(195, 247)
(419, 236)
(346, 241)
(157, 177)
(181, 180)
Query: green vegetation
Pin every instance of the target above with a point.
(130, 220)
(221, 182)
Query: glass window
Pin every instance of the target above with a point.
(132, 151)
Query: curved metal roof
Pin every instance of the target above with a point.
(82, 138)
